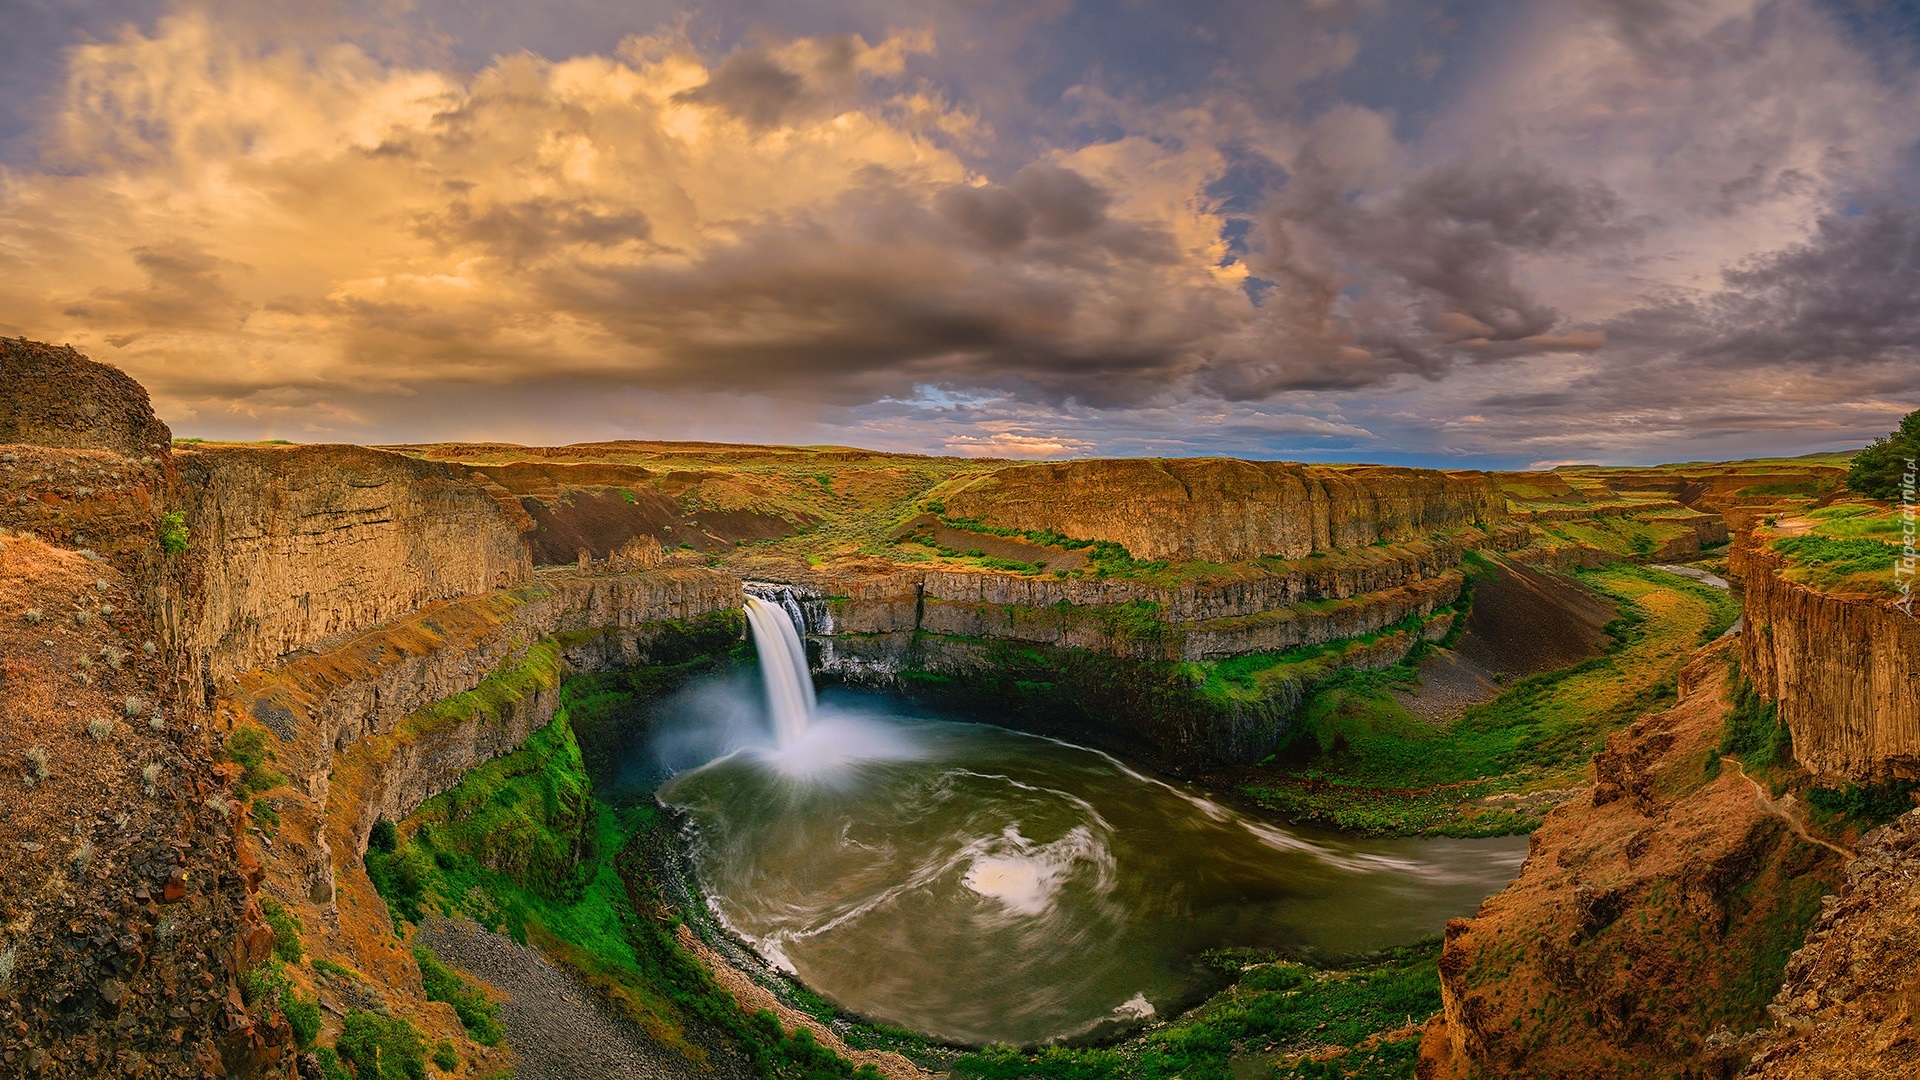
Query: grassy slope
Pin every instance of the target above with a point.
(1285, 1019)
(522, 845)
(1359, 760)
(1847, 547)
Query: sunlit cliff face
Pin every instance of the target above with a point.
(1599, 231)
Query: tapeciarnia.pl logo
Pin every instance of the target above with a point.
(1909, 562)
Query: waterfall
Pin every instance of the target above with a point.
(783, 664)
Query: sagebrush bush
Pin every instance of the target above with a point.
(37, 763)
(100, 728)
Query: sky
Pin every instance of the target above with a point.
(1461, 235)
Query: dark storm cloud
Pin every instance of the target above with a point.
(532, 227)
(873, 298)
(184, 289)
(751, 86)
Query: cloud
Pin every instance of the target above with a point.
(1153, 231)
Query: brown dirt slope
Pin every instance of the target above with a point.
(1523, 621)
(1650, 915)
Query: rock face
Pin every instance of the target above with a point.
(1222, 510)
(1845, 671)
(1848, 1003)
(293, 544)
(1106, 661)
(1650, 915)
(56, 397)
(125, 917)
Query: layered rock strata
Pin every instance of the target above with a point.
(1223, 510)
(1844, 670)
(293, 544)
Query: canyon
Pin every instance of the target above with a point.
(303, 642)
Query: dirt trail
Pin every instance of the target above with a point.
(1784, 810)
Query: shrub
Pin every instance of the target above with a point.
(173, 532)
(1879, 471)
(134, 707)
(382, 1047)
(331, 1067)
(150, 775)
(303, 1016)
(286, 930)
(33, 616)
(36, 764)
(247, 747)
(444, 1057)
(100, 728)
(1870, 804)
(401, 877)
(1753, 728)
(471, 1005)
(384, 837)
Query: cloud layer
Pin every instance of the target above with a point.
(1621, 232)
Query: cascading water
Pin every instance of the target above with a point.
(783, 664)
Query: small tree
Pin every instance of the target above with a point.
(173, 532)
(1878, 471)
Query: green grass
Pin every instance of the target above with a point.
(248, 748)
(523, 846)
(477, 1013)
(286, 930)
(1357, 759)
(1280, 1010)
(381, 1047)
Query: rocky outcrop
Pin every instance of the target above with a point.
(1844, 670)
(1848, 1003)
(1650, 922)
(1224, 510)
(292, 544)
(55, 397)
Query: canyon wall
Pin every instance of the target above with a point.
(1223, 510)
(1111, 661)
(126, 921)
(1844, 670)
(291, 544)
